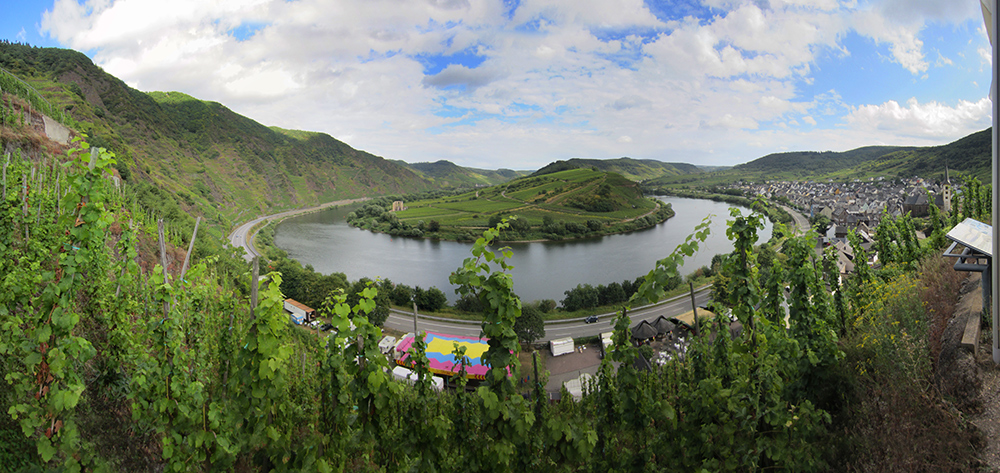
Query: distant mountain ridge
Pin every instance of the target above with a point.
(446, 174)
(969, 155)
(632, 169)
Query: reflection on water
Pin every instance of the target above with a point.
(541, 270)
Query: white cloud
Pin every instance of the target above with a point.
(904, 44)
(591, 13)
(21, 35)
(931, 119)
(558, 79)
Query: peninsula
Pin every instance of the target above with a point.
(568, 204)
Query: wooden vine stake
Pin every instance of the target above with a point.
(163, 261)
(187, 258)
(5, 164)
(694, 308)
(253, 288)
(131, 226)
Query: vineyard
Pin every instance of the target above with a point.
(113, 365)
(576, 203)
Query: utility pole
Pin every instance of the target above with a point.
(415, 331)
(694, 307)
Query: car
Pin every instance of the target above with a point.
(591, 319)
(326, 327)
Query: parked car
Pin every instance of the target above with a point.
(591, 319)
(326, 327)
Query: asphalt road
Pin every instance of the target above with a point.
(801, 222)
(403, 321)
(241, 237)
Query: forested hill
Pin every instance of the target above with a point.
(446, 174)
(633, 169)
(210, 156)
(968, 155)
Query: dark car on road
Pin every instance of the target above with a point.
(591, 319)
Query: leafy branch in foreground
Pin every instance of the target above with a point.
(40, 300)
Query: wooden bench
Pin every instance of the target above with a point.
(970, 338)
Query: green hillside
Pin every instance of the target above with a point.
(633, 169)
(215, 160)
(567, 204)
(446, 174)
(967, 156)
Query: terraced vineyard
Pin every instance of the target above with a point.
(568, 204)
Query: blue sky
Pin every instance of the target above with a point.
(521, 83)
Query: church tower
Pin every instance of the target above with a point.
(946, 191)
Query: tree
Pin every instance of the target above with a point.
(495, 220)
(402, 295)
(583, 296)
(520, 224)
(433, 226)
(611, 294)
(431, 300)
(530, 326)
(546, 305)
(821, 223)
(381, 311)
(469, 303)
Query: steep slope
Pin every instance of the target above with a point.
(210, 156)
(633, 169)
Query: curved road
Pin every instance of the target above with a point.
(241, 236)
(403, 321)
(801, 222)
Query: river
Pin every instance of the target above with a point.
(541, 270)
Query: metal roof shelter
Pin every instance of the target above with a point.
(643, 331)
(976, 240)
(663, 325)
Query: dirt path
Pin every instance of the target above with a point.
(988, 416)
(988, 420)
(972, 382)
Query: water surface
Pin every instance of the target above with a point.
(542, 270)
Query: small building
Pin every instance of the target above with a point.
(397, 206)
(299, 312)
(576, 386)
(386, 345)
(606, 342)
(562, 346)
(406, 375)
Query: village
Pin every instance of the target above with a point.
(856, 205)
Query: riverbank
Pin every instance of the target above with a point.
(775, 213)
(520, 230)
(243, 235)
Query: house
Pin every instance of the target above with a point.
(916, 204)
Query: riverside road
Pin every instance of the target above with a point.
(575, 328)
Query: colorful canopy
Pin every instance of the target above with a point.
(439, 353)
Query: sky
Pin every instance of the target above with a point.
(521, 83)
